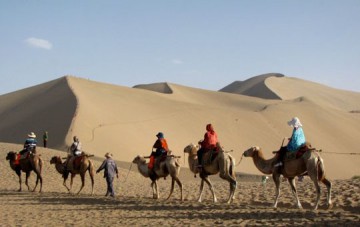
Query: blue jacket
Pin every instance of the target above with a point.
(297, 140)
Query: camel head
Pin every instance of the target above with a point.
(191, 148)
(55, 159)
(11, 155)
(251, 151)
(139, 160)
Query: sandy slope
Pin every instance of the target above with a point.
(125, 120)
(133, 205)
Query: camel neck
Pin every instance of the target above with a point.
(263, 165)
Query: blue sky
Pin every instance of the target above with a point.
(199, 43)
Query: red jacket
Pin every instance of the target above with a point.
(210, 138)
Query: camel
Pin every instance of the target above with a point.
(32, 163)
(170, 166)
(224, 164)
(310, 162)
(84, 166)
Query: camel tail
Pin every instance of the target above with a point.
(232, 166)
(41, 163)
(91, 168)
(320, 169)
(177, 162)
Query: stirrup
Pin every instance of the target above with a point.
(278, 164)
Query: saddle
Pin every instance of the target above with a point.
(299, 153)
(159, 160)
(209, 156)
(24, 155)
(75, 162)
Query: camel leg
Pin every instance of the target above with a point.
(207, 180)
(64, 183)
(82, 175)
(157, 190)
(318, 193)
(36, 183)
(293, 190)
(233, 183)
(172, 188)
(37, 169)
(180, 186)
(71, 181)
(92, 182)
(201, 190)
(38, 178)
(276, 178)
(26, 180)
(19, 175)
(41, 181)
(328, 186)
(154, 187)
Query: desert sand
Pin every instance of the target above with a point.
(124, 121)
(134, 206)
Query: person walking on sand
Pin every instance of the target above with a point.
(45, 138)
(111, 170)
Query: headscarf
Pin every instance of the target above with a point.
(210, 128)
(295, 122)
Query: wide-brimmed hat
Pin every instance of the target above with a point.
(295, 122)
(108, 155)
(32, 135)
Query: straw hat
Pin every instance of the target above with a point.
(108, 155)
(32, 135)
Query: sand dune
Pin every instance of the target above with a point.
(158, 87)
(254, 86)
(124, 121)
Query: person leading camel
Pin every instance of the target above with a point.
(160, 148)
(209, 143)
(296, 141)
(110, 170)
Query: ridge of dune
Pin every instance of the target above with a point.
(157, 87)
(288, 88)
(48, 106)
(254, 87)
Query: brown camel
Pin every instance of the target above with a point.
(170, 166)
(31, 163)
(224, 164)
(310, 162)
(81, 167)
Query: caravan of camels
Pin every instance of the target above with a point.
(214, 161)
